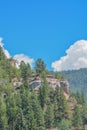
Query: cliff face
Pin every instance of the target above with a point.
(65, 85)
(52, 82)
(61, 83)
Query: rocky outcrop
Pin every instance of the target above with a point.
(17, 82)
(65, 86)
(52, 82)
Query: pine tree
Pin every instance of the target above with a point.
(11, 111)
(38, 113)
(49, 117)
(20, 118)
(31, 121)
(77, 118)
(56, 105)
(61, 108)
(27, 109)
(84, 114)
(64, 125)
(21, 121)
(25, 70)
(40, 66)
(42, 94)
(64, 108)
(3, 115)
(2, 54)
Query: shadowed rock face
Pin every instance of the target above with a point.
(52, 81)
(65, 85)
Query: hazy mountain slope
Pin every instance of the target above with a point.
(77, 79)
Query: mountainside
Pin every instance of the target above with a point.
(33, 99)
(77, 80)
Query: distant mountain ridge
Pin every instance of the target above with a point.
(77, 80)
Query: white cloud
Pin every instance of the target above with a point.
(18, 57)
(5, 51)
(22, 57)
(76, 57)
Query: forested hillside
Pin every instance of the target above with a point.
(77, 80)
(23, 108)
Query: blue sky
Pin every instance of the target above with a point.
(42, 28)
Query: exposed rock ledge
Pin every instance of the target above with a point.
(52, 81)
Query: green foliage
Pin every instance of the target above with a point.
(77, 80)
(58, 76)
(61, 108)
(40, 66)
(25, 70)
(26, 109)
(49, 117)
(11, 111)
(77, 118)
(3, 115)
(80, 98)
(2, 54)
(43, 91)
(64, 125)
(84, 113)
(38, 112)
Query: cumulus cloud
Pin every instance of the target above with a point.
(5, 51)
(75, 58)
(18, 57)
(22, 57)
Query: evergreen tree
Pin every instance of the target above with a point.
(77, 118)
(11, 111)
(27, 109)
(2, 54)
(40, 66)
(64, 125)
(84, 114)
(43, 91)
(20, 118)
(61, 108)
(25, 70)
(38, 113)
(3, 115)
(78, 97)
(49, 117)
(21, 121)
(31, 121)
(10, 70)
(64, 108)
(56, 105)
